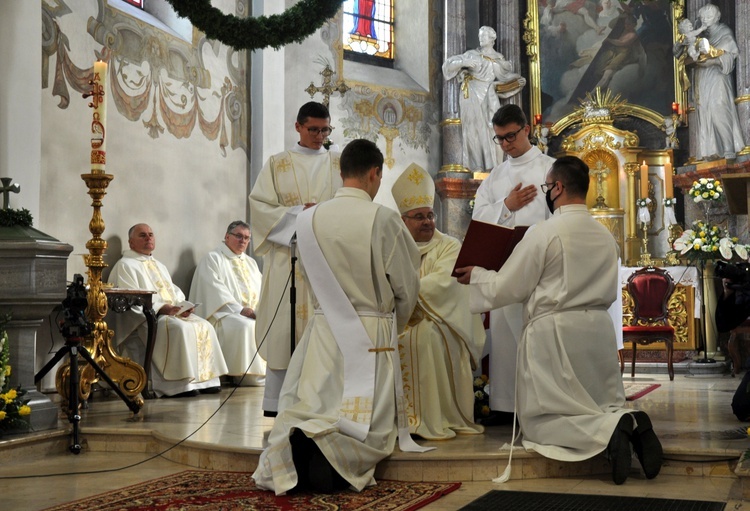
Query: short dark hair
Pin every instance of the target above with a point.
(508, 114)
(312, 109)
(237, 223)
(358, 157)
(573, 173)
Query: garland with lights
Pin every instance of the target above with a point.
(292, 26)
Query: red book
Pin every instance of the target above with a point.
(488, 245)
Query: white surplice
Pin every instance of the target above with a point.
(505, 324)
(375, 262)
(223, 284)
(287, 181)
(439, 347)
(187, 354)
(569, 389)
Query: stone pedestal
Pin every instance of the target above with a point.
(456, 191)
(32, 283)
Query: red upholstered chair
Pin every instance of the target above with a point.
(650, 289)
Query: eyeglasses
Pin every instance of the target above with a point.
(510, 137)
(319, 131)
(240, 237)
(430, 217)
(547, 186)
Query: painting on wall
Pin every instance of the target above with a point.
(625, 46)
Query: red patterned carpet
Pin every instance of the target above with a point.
(195, 490)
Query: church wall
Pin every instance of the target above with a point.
(186, 182)
(20, 102)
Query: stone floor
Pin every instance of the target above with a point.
(702, 440)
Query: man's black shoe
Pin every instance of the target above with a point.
(323, 477)
(210, 390)
(496, 418)
(269, 413)
(618, 449)
(646, 445)
(301, 453)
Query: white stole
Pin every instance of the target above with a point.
(353, 341)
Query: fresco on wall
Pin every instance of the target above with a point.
(155, 78)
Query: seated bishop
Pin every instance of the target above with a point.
(225, 289)
(187, 358)
(443, 341)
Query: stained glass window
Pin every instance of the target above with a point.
(137, 3)
(368, 29)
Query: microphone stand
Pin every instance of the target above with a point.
(293, 295)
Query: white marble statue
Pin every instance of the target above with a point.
(719, 132)
(479, 72)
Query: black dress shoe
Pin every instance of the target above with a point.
(496, 418)
(646, 445)
(269, 413)
(301, 453)
(210, 390)
(618, 449)
(187, 393)
(323, 477)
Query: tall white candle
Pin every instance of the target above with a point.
(99, 121)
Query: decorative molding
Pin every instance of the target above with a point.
(154, 77)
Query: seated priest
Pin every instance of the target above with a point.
(443, 341)
(187, 358)
(225, 289)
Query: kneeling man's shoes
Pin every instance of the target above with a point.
(618, 449)
(646, 445)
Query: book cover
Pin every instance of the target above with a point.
(488, 245)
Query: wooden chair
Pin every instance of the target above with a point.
(650, 289)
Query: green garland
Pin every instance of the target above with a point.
(10, 217)
(293, 26)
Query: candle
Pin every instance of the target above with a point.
(99, 120)
(644, 180)
(668, 190)
(676, 108)
(538, 119)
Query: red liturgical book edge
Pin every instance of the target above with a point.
(488, 245)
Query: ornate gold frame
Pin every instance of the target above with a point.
(532, 40)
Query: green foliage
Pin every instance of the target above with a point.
(292, 26)
(10, 217)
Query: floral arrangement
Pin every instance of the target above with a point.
(481, 397)
(642, 203)
(706, 241)
(14, 410)
(706, 190)
(670, 202)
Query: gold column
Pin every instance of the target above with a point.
(632, 249)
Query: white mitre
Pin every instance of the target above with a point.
(413, 189)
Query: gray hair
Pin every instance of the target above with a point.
(237, 223)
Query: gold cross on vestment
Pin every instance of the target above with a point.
(327, 88)
(7, 189)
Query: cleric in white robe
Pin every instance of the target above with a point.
(225, 289)
(289, 182)
(443, 341)
(510, 196)
(187, 357)
(569, 389)
(339, 407)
